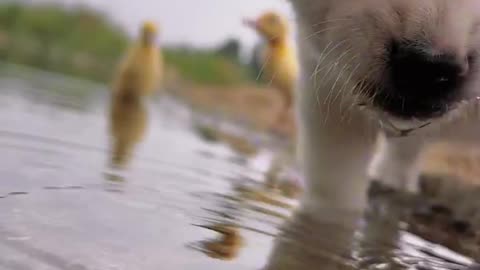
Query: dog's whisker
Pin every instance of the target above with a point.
(332, 20)
(352, 72)
(339, 73)
(326, 56)
(322, 30)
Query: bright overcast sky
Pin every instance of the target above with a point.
(202, 23)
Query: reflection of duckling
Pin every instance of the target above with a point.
(137, 77)
(227, 246)
(279, 60)
(128, 122)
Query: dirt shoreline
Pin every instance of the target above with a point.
(260, 107)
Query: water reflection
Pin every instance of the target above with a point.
(114, 183)
(282, 176)
(146, 223)
(378, 238)
(128, 123)
(249, 207)
(239, 144)
(227, 245)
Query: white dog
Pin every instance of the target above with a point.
(378, 76)
(406, 69)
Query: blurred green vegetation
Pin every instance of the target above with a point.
(85, 43)
(76, 41)
(206, 67)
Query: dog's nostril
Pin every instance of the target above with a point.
(416, 74)
(420, 84)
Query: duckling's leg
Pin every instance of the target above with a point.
(285, 122)
(121, 152)
(279, 162)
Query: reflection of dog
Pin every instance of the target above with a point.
(327, 242)
(406, 68)
(348, 240)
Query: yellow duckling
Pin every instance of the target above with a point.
(280, 67)
(137, 77)
(278, 58)
(139, 73)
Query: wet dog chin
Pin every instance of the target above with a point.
(400, 114)
(395, 125)
(399, 120)
(422, 105)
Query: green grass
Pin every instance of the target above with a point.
(76, 41)
(206, 67)
(82, 42)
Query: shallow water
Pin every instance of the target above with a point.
(181, 203)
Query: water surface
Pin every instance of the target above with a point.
(181, 203)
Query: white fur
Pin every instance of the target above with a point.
(338, 139)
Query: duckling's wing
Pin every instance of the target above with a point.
(125, 73)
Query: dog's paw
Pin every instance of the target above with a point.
(390, 184)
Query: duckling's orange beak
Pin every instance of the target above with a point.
(251, 23)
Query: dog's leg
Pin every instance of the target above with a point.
(335, 153)
(396, 162)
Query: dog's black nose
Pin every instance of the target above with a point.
(419, 75)
(418, 83)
